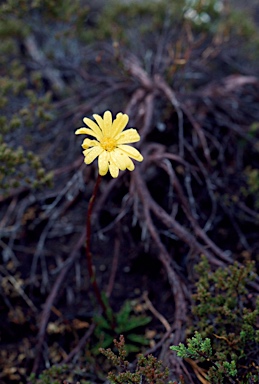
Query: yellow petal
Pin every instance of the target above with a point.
(119, 124)
(127, 161)
(91, 154)
(96, 129)
(103, 163)
(86, 131)
(128, 136)
(130, 165)
(114, 170)
(118, 159)
(107, 123)
(87, 143)
(99, 120)
(131, 152)
(82, 131)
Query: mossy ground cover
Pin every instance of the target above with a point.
(186, 73)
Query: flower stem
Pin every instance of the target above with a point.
(91, 271)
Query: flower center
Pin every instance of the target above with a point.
(108, 144)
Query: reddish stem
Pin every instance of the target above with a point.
(88, 252)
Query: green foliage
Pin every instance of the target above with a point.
(59, 9)
(120, 20)
(226, 333)
(122, 322)
(197, 348)
(148, 369)
(49, 376)
(117, 21)
(203, 15)
(12, 174)
(58, 374)
(252, 185)
(200, 349)
(26, 105)
(241, 24)
(19, 167)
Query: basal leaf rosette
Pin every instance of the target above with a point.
(110, 143)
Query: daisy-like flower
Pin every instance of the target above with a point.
(110, 143)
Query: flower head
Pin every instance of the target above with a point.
(110, 143)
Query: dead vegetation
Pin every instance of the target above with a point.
(196, 108)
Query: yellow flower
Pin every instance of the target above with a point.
(110, 144)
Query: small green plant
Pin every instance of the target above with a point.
(14, 168)
(58, 374)
(148, 369)
(200, 349)
(226, 333)
(121, 322)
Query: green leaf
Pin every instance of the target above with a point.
(138, 339)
